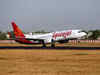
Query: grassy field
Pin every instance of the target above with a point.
(49, 62)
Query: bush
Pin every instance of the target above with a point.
(2, 36)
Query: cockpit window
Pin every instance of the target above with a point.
(79, 31)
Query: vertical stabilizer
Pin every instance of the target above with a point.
(17, 31)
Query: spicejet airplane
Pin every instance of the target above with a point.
(58, 36)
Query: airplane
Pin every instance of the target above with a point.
(53, 37)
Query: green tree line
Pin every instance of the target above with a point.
(3, 35)
(95, 34)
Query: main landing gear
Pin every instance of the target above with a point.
(43, 44)
(52, 43)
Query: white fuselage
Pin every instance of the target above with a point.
(59, 35)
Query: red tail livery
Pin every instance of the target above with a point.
(17, 31)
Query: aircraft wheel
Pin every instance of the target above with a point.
(44, 45)
(52, 43)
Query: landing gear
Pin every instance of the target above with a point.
(52, 43)
(44, 45)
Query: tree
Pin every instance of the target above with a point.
(2, 35)
(95, 34)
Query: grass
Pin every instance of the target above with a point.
(49, 62)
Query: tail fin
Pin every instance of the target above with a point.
(17, 31)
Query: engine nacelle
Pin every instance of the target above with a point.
(63, 41)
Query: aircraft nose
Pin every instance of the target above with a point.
(84, 34)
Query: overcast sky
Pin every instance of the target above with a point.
(50, 15)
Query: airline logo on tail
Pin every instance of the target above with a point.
(18, 33)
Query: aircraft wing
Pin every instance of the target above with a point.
(34, 39)
(26, 39)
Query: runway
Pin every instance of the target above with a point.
(50, 48)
